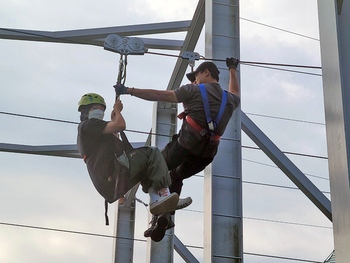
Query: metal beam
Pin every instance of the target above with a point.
(340, 6)
(124, 233)
(46, 36)
(95, 33)
(164, 122)
(294, 174)
(182, 250)
(96, 36)
(189, 44)
(223, 224)
(69, 150)
(335, 56)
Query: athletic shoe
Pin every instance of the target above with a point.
(154, 225)
(183, 203)
(161, 226)
(164, 204)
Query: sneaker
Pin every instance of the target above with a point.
(154, 225)
(161, 226)
(183, 203)
(164, 204)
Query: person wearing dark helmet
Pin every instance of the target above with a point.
(208, 109)
(113, 167)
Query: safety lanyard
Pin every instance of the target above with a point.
(212, 124)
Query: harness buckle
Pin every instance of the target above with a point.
(211, 126)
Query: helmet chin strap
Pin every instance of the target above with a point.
(85, 113)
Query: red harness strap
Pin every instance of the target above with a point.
(202, 132)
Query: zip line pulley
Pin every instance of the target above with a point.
(124, 46)
(191, 56)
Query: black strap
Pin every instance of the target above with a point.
(127, 145)
(106, 213)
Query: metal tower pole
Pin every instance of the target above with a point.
(334, 22)
(124, 229)
(164, 122)
(222, 180)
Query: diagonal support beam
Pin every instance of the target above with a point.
(190, 43)
(297, 177)
(182, 250)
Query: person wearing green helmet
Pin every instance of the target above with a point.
(113, 165)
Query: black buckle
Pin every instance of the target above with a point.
(205, 134)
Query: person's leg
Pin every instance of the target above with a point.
(148, 165)
(191, 166)
(174, 154)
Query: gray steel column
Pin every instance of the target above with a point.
(124, 229)
(164, 123)
(222, 180)
(334, 22)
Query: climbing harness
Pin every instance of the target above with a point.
(124, 46)
(212, 124)
(127, 147)
(207, 134)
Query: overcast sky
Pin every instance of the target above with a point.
(48, 79)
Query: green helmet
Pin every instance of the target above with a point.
(91, 98)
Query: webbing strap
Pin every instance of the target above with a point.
(222, 108)
(206, 104)
(127, 144)
(212, 125)
(106, 213)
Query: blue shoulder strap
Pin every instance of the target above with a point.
(212, 125)
(222, 108)
(205, 104)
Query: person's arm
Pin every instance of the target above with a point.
(117, 123)
(233, 86)
(153, 95)
(147, 94)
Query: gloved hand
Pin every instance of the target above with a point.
(232, 62)
(120, 89)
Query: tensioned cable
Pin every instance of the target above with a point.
(255, 64)
(265, 184)
(286, 119)
(284, 30)
(288, 70)
(165, 135)
(142, 240)
(279, 257)
(284, 222)
(292, 153)
(273, 166)
(241, 61)
(70, 231)
(278, 186)
(267, 220)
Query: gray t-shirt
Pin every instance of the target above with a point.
(190, 96)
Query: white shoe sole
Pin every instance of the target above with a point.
(183, 203)
(164, 204)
